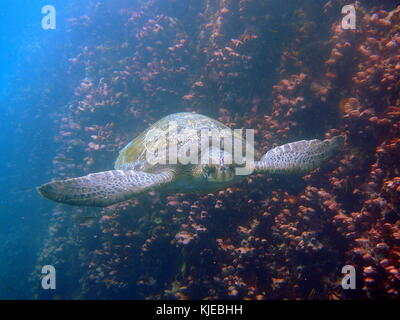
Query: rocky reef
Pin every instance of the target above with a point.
(285, 68)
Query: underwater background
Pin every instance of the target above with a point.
(72, 97)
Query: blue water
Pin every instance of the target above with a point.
(30, 95)
(34, 90)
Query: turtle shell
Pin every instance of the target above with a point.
(181, 129)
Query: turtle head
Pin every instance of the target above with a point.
(219, 173)
(220, 167)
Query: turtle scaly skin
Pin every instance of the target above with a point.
(300, 156)
(134, 173)
(103, 188)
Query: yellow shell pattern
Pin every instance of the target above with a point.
(133, 155)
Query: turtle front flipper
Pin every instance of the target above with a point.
(104, 188)
(300, 156)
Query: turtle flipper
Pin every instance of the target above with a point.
(300, 156)
(104, 188)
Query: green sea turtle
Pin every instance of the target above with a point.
(147, 162)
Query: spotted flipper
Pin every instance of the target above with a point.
(104, 188)
(300, 156)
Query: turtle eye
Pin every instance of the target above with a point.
(210, 170)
